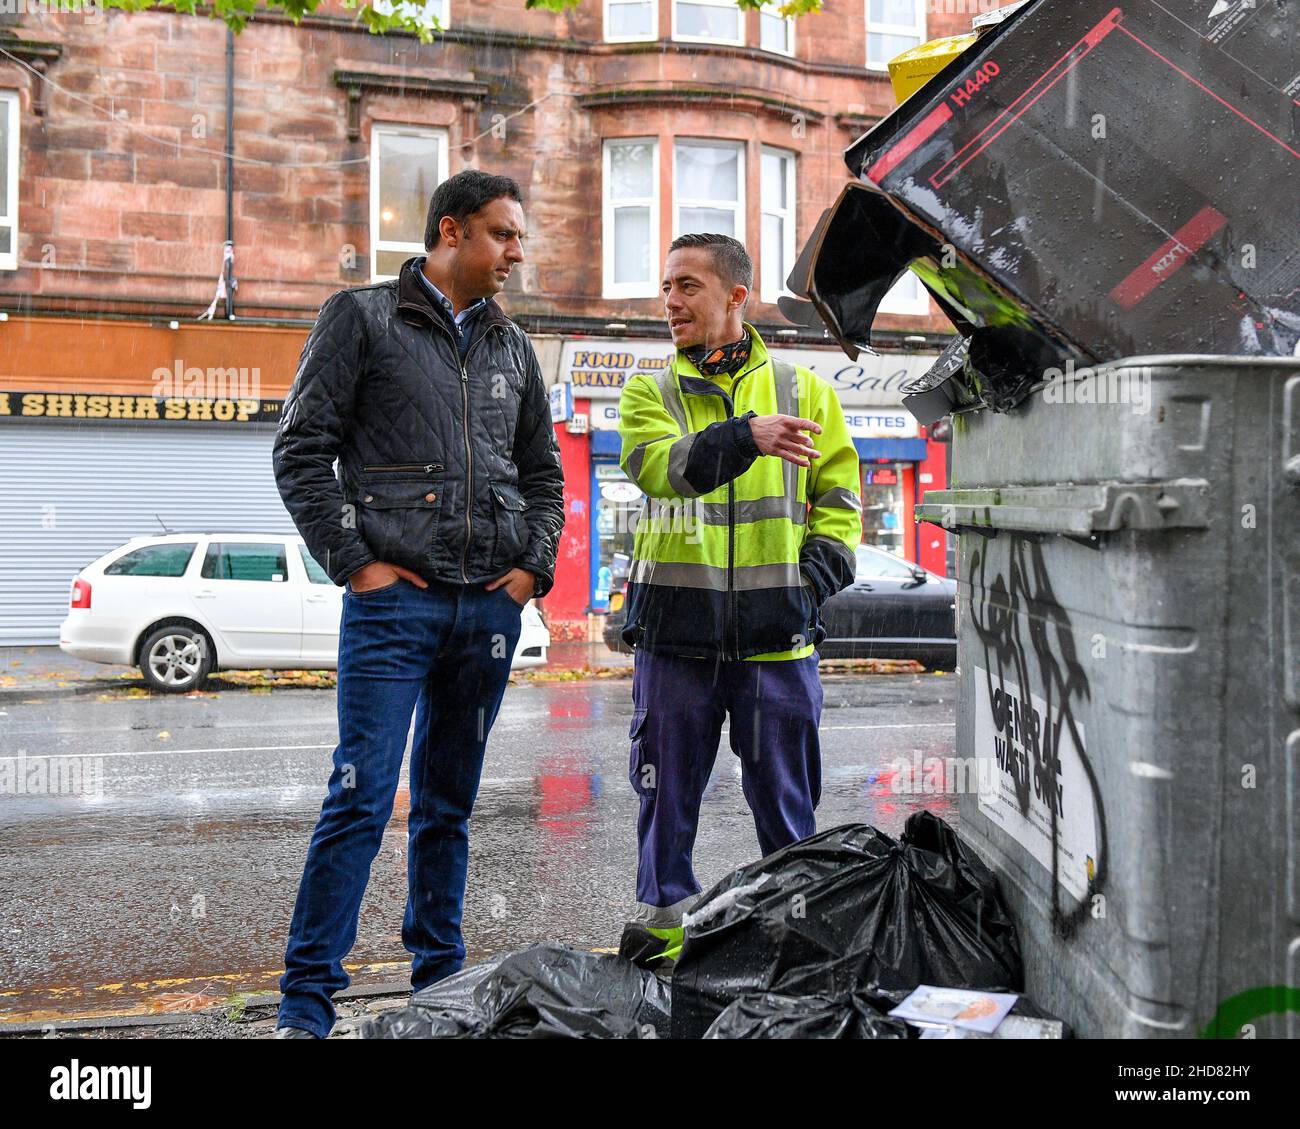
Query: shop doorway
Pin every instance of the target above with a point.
(615, 502)
(888, 497)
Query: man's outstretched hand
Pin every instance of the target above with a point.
(783, 436)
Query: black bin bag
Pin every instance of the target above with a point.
(549, 991)
(842, 911)
(771, 1015)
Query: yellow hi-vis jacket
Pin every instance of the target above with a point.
(735, 551)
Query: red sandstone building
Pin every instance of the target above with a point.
(138, 388)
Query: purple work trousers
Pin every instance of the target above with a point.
(678, 708)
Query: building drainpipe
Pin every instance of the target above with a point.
(228, 258)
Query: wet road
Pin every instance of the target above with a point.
(174, 886)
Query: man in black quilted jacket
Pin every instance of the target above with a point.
(443, 521)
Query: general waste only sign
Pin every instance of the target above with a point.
(1043, 799)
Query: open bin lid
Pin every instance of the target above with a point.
(1087, 179)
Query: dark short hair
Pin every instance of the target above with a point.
(462, 195)
(730, 259)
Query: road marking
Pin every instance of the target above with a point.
(909, 725)
(883, 726)
(294, 748)
(175, 752)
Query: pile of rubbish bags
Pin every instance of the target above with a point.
(846, 910)
(819, 940)
(550, 991)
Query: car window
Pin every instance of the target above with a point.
(315, 573)
(154, 560)
(873, 563)
(232, 560)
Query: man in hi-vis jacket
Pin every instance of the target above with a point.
(751, 524)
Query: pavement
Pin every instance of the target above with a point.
(32, 672)
(35, 673)
(251, 1017)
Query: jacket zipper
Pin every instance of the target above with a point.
(469, 470)
(731, 558)
(428, 468)
(469, 454)
(729, 611)
(731, 522)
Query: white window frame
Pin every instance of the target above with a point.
(387, 8)
(907, 307)
(740, 24)
(12, 109)
(789, 214)
(650, 287)
(678, 201)
(377, 130)
(917, 28)
(789, 35)
(650, 38)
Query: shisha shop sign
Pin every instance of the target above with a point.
(129, 408)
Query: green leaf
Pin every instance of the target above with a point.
(236, 13)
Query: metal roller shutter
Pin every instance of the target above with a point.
(70, 492)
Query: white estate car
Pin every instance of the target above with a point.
(185, 604)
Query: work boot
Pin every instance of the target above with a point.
(652, 939)
(292, 1033)
(652, 948)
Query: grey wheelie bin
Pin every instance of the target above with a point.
(1129, 657)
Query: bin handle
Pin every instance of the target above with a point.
(1072, 510)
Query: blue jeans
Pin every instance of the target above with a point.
(444, 652)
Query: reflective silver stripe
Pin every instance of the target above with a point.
(636, 458)
(662, 917)
(671, 397)
(787, 404)
(714, 577)
(756, 509)
(787, 388)
(678, 453)
(837, 497)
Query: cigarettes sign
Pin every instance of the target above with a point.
(1040, 773)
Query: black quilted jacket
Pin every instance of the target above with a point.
(451, 471)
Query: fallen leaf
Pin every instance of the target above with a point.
(182, 1001)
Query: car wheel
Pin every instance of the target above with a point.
(175, 659)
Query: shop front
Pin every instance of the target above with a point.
(115, 429)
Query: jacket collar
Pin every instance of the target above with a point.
(413, 295)
(758, 356)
